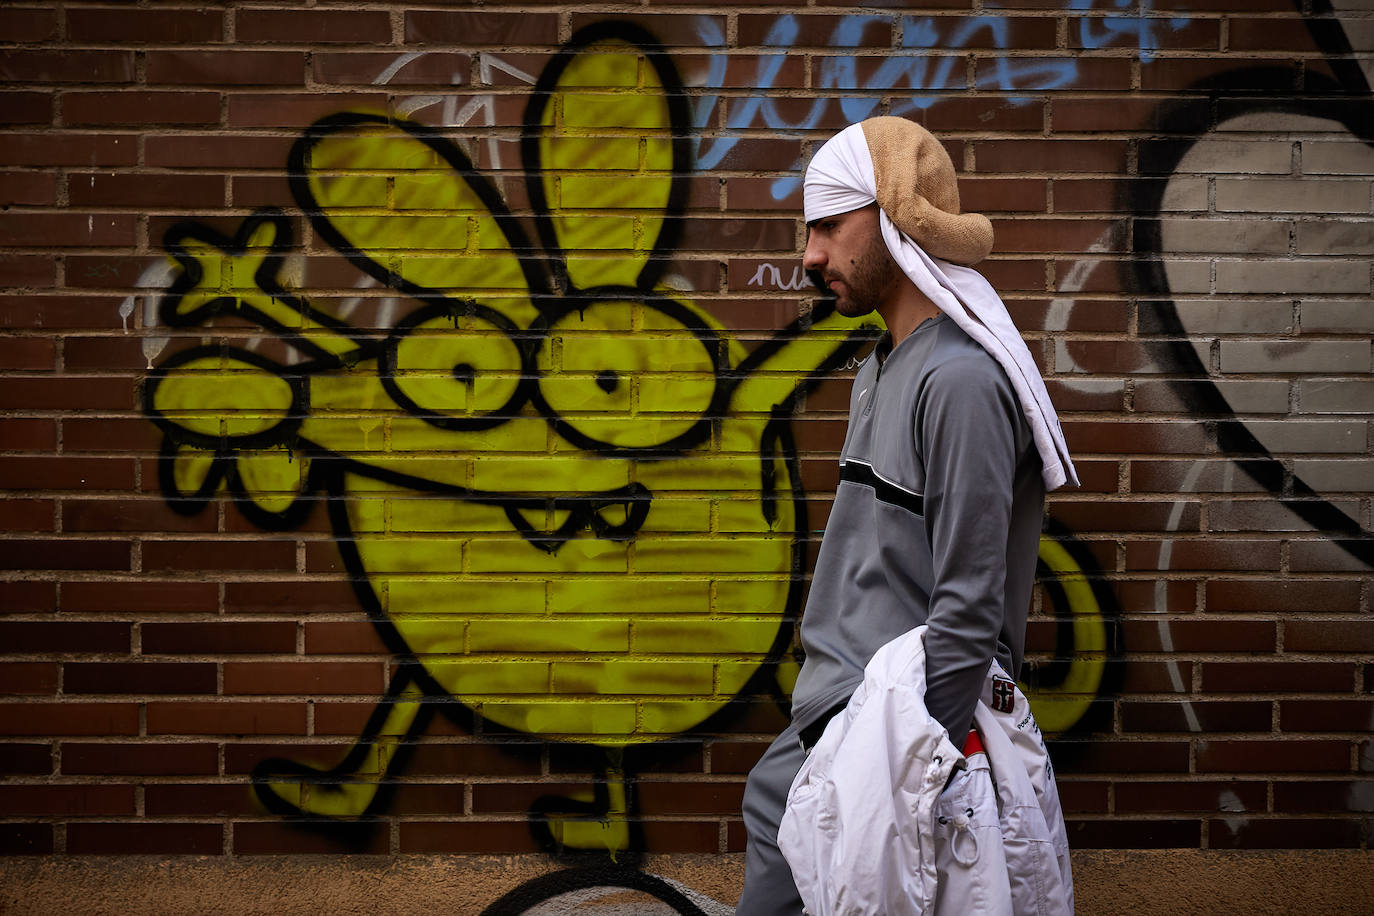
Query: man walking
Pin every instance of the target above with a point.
(952, 443)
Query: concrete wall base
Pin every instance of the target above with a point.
(1140, 882)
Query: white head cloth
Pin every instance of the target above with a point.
(839, 179)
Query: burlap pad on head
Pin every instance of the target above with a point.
(918, 191)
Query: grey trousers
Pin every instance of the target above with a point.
(768, 886)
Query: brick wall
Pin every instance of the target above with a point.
(416, 429)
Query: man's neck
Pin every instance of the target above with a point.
(905, 309)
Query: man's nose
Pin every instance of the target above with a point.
(813, 258)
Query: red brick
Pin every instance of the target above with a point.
(1002, 195)
(237, 800)
(311, 27)
(1090, 73)
(19, 24)
(141, 596)
(61, 230)
(443, 799)
(290, 596)
(236, 67)
(220, 638)
(1183, 554)
(811, 31)
(35, 270)
(1328, 555)
(1154, 676)
(226, 718)
(365, 68)
(682, 836)
(28, 678)
(1125, 833)
(66, 800)
(143, 190)
(145, 26)
(25, 759)
(1163, 34)
(296, 838)
(1078, 796)
(135, 515)
(781, 72)
(140, 108)
(668, 29)
(245, 759)
(1128, 516)
(1329, 636)
(216, 151)
(1194, 74)
(27, 515)
(28, 597)
(25, 107)
(480, 28)
(1200, 635)
(517, 798)
(67, 637)
(1247, 34)
(1010, 275)
(57, 393)
(343, 638)
(1077, 115)
(140, 759)
(1149, 596)
(1056, 235)
(66, 554)
(27, 353)
(721, 798)
(1017, 156)
(276, 110)
(1093, 436)
(145, 839)
(138, 678)
(467, 837)
(1177, 797)
(66, 66)
(1284, 833)
(308, 678)
(1193, 715)
(1324, 796)
(1192, 475)
(106, 434)
(1127, 756)
(60, 148)
(1278, 676)
(67, 718)
(468, 759)
(219, 555)
(1328, 714)
(26, 839)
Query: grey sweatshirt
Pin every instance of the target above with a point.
(936, 521)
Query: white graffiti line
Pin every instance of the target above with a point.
(487, 63)
(768, 275)
(396, 66)
(1057, 319)
(1166, 638)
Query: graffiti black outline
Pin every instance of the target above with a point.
(1145, 271)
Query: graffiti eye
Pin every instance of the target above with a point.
(623, 374)
(455, 371)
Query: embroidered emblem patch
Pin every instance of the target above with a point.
(1003, 694)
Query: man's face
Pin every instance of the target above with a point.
(846, 255)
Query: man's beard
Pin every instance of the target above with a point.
(869, 281)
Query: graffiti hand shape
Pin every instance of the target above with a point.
(566, 493)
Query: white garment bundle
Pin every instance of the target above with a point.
(870, 826)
